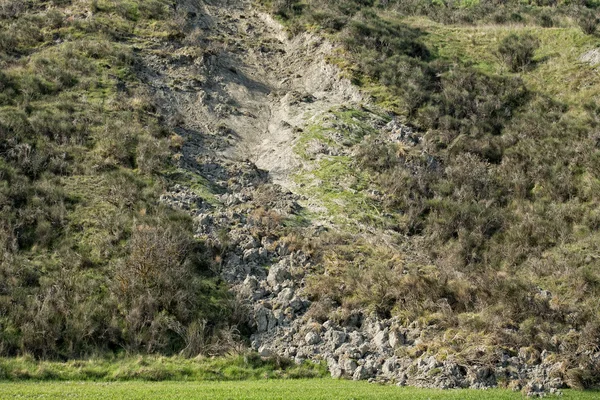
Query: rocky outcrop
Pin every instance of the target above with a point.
(367, 348)
(370, 351)
(591, 57)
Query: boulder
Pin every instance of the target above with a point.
(297, 304)
(251, 255)
(364, 349)
(334, 367)
(312, 338)
(356, 338)
(278, 273)
(381, 339)
(349, 366)
(389, 366)
(361, 373)
(250, 243)
(337, 338)
(329, 324)
(264, 319)
(251, 282)
(265, 351)
(292, 351)
(285, 296)
(396, 339)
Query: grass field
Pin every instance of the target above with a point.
(266, 389)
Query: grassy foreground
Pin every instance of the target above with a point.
(266, 389)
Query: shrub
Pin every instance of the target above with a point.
(11, 8)
(517, 51)
(156, 286)
(545, 20)
(588, 21)
(151, 155)
(153, 9)
(376, 155)
(286, 8)
(473, 103)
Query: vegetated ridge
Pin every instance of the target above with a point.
(406, 191)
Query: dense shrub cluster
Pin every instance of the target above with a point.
(89, 260)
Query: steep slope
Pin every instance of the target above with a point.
(182, 176)
(90, 260)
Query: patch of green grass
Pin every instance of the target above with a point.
(340, 188)
(333, 180)
(344, 127)
(248, 366)
(557, 71)
(302, 218)
(321, 389)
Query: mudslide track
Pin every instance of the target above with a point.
(241, 88)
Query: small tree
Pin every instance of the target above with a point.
(517, 51)
(155, 287)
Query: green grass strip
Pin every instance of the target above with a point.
(314, 389)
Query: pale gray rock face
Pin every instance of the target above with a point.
(381, 339)
(363, 349)
(251, 255)
(335, 369)
(251, 283)
(356, 338)
(389, 366)
(396, 339)
(360, 373)
(285, 296)
(591, 57)
(297, 304)
(265, 319)
(349, 366)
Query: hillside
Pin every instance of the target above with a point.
(404, 190)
